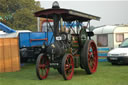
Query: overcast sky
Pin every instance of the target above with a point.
(111, 12)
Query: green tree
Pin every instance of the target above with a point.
(19, 13)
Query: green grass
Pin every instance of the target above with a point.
(105, 75)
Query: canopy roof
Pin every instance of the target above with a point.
(66, 14)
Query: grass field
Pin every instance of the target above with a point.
(105, 75)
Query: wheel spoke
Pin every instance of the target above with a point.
(67, 62)
(42, 66)
(70, 64)
(89, 58)
(66, 67)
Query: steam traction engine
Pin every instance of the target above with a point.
(70, 49)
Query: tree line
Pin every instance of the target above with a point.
(19, 14)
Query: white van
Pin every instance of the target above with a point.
(119, 55)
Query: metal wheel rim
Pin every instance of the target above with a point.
(43, 67)
(69, 67)
(92, 57)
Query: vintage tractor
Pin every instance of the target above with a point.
(72, 47)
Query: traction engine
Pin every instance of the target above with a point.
(72, 47)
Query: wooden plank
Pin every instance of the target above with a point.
(1, 56)
(15, 54)
(18, 54)
(7, 55)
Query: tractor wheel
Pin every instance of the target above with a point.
(89, 57)
(67, 67)
(42, 66)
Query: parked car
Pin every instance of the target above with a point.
(119, 55)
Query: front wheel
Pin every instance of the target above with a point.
(67, 67)
(89, 57)
(42, 66)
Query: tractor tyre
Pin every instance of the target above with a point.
(42, 66)
(67, 67)
(89, 57)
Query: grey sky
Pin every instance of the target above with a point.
(111, 12)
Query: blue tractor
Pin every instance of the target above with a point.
(30, 43)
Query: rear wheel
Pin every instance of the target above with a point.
(67, 67)
(89, 57)
(42, 66)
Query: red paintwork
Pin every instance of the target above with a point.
(75, 41)
(44, 68)
(69, 67)
(92, 57)
(46, 39)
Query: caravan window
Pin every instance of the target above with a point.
(102, 40)
(119, 37)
